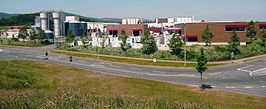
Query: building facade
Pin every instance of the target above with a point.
(77, 27)
(221, 31)
(130, 29)
(53, 21)
(132, 21)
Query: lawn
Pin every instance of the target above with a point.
(10, 43)
(31, 84)
(131, 61)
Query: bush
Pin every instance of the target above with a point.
(214, 53)
(16, 42)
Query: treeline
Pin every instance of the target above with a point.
(22, 19)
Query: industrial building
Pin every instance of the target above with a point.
(132, 21)
(221, 31)
(53, 21)
(130, 29)
(77, 27)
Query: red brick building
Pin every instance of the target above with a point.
(130, 29)
(221, 30)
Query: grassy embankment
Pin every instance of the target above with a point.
(28, 84)
(12, 43)
(131, 61)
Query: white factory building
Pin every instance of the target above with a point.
(53, 21)
(132, 21)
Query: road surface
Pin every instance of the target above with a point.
(247, 78)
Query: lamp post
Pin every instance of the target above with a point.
(185, 43)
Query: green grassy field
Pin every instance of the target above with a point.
(131, 61)
(31, 84)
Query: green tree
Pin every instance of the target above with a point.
(262, 38)
(149, 45)
(70, 37)
(175, 44)
(202, 64)
(103, 42)
(84, 34)
(41, 35)
(251, 31)
(84, 39)
(33, 36)
(123, 37)
(207, 36)
(23, 33)
(234, 42)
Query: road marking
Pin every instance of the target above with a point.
(263, 86)
(134, 68)
(213, 86)
(193, 85)
(262, 69)
(248, 87)
(157, 71)
(215, 73)
(1, 50)
(244, 67)
(230, 87)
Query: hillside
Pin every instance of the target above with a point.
(21, 19)
(29, 19)
(6, 15)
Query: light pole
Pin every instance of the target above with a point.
(185, 43)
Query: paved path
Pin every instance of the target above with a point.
(247, 78)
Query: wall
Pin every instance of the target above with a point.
(128, 28)
(217, 28)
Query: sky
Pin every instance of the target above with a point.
(209, 10)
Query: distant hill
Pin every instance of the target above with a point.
(29, 19)
(91, 19)
(6, 15)
(20, 19)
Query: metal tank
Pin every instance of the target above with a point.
(43, 17)
(56, 23)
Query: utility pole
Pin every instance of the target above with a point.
(185, 43)
(98, 47)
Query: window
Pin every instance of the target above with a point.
(136, 33)
(113, 32)
(191, 38)
(235, 28)
(261, 26)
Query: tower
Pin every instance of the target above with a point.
(43, 17)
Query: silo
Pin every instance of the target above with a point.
(56, 23)
(43, 17)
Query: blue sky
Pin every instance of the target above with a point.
(237, 10)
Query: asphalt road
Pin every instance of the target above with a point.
(247, 78)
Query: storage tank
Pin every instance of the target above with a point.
(43, 17)
(56, 24)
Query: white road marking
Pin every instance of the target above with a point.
(134, 68)
(244, 67)
(215, 73)
(157, 71)
(1, 50)
(230, 87)
(213, 86)
(263, 86)
(261, 71)
(248, 87)
(193, 85)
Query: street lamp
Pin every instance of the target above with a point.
(185, 43)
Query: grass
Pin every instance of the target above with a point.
(131, 61)
(9, 43)
(55, 86)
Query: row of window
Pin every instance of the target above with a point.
(240, 28)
